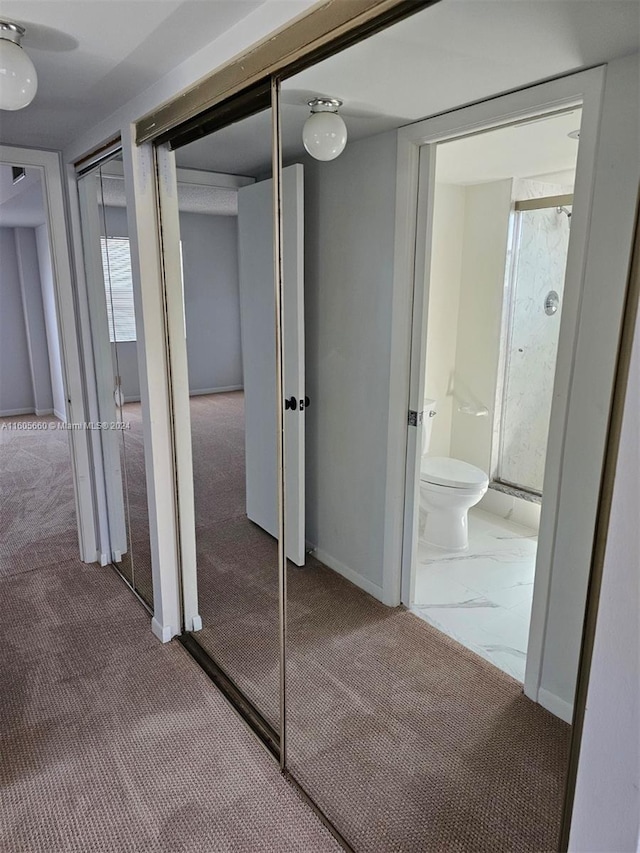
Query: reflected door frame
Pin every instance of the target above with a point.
(586, 362)
(49, 165)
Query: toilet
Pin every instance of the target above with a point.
(448, 490)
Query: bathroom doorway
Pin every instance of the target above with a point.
(499, 233)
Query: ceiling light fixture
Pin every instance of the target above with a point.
(18, 78)
(324, 134)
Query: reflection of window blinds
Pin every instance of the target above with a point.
(116, 267)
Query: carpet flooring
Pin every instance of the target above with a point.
(37, 505)
(113, 742)
(407, 740)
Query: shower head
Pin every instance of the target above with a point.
(564, 210)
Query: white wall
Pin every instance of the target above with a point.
(349, 249)
(612, 219)
(212, 303)
(51, 320)
(444, 304)
(606, 814)
(32, 305)
(486, 228)
(16, 392)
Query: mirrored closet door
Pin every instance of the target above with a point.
(118, 429)
(226, 420)
(298, 299)
(405, 738)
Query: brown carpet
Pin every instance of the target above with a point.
(37, 506)
(406, 739)
(113, 742)
(136, 565)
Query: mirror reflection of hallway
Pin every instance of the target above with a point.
(120, 443)
(435, 746)
(38, 523)
(226, 248)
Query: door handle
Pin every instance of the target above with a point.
(291, 403)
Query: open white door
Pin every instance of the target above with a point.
(257, 309)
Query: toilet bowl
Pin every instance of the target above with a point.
(448, 490)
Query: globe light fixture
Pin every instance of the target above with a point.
(18, 78)
(324, 134)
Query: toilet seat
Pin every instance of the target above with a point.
(452, 473)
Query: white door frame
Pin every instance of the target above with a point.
(50, 165)
(155, 173)
(585, 367)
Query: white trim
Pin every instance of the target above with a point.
(557, 706)
(221, 390)
(61, 416)
(86, 343)
(164, 633)
(42, 412)
(586, 88)
(356, 578)
(70, 355)
(179, 387)
(146, 252)
(194, 177)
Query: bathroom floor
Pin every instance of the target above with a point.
(482, 597)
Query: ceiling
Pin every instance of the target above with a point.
(535, 148)
(21, 204)
(92, 56)
(454, 53)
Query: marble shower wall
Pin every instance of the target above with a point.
(540, 259)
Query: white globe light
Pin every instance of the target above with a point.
(324, 135)
(18, 78)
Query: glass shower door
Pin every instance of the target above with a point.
(537, 285)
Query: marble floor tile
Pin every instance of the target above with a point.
(482, 597)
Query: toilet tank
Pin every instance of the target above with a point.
(429, 412)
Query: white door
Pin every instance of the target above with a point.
(257, 310)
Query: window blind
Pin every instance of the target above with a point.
(116, 266)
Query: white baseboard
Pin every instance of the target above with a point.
(355, 577)
(132, 398)
(201, 391)
(61, 416)
(14, 413)
(163, 632)
(41, 412)
(557, 706)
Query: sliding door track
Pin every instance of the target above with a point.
(249, 713)
(257, 723)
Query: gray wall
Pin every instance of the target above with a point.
(29, 270)
(349, 247)
(212, 300)
(16, 391)
(51, 320)
(212, 303)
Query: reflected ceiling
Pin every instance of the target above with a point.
(451, 54)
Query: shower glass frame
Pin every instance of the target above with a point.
(516, 226)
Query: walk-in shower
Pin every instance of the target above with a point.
(535, 284)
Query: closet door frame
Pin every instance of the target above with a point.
(50, 165)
